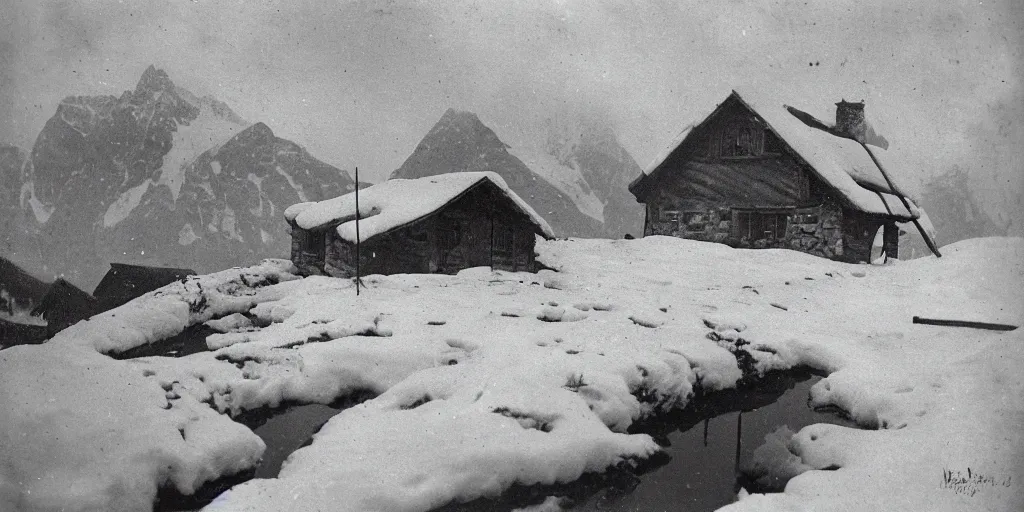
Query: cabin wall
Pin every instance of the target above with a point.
(859, 230)
(308, 262)
(479, 229)
(812, 229)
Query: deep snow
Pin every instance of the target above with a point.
(486, 379)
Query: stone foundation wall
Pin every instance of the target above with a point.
(308, 263)
(815, 230)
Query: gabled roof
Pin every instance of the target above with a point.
(20, 284)
(840, 163)
(67, 298)
(125, 281)
(396, 203)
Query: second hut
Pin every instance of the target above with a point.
(437, 224)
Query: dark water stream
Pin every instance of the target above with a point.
(288, 432)
(704, 447)
(706, 455)
(705, 444)
(283, 429)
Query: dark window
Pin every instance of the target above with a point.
(312, 242)
(667, 215)
(772, 144)
(317, 240)
(755, 225)
(738, 140)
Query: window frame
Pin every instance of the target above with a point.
(762, 220)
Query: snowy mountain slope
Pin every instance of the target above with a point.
(534, 378)
(459, 142)
(21, 214)
(592, 150)
(229, 207)
(567, 179)
(12, 161)
(108, 174)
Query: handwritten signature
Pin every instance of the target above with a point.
(969, 482)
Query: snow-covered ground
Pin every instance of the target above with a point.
(486, 379)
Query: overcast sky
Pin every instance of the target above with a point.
(359, 83)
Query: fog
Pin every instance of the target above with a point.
(359, 83)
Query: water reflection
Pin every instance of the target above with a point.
(288, 432)
(284, 429)
(705, 445)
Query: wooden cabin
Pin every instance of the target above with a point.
(753, 174)
(124, 282)
(436, 224)
(65, 305)
(19, 290)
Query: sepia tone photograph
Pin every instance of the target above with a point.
(511, 256)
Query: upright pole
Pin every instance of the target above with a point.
(492, 238)
(357, 231)
(739, 439)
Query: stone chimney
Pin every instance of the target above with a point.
(850, 119)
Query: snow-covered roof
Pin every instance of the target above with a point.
(841, 163)
(398, 202)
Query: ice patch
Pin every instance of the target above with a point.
(189, 141)
(296, 186)
(187, 235)
(227, 224)
(39, 210)
(124, 204)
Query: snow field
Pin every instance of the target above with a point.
(483, 382)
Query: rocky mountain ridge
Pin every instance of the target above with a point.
(155, 176)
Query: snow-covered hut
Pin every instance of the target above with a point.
(437, 224)
(753, 174)
(64, 305)
(125, 281)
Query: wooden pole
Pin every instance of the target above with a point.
(813, 122)
(357, 231)
(927, 239)
(492, 237)
(964, 323)
(739, 439)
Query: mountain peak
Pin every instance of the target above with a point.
(154, 79)
(455, 116)
(258, 132)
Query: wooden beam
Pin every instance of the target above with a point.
(813, 122)
(964, 323)
(357, 231)
(892, 187)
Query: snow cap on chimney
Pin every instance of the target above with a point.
(850, 119)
